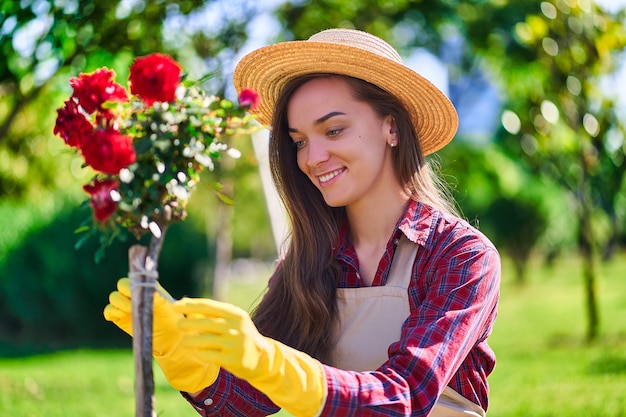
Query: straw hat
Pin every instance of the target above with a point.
(357, 54)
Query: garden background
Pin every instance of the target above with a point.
(538, 165)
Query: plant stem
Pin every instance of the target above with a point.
(144, 261)
(156, 244)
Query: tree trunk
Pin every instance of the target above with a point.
(519, 265)
(614, 235)
(586, 246)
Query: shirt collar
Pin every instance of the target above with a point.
(417, 223)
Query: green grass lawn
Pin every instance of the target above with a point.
(79, 384)
(544, 367)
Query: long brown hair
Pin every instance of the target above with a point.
(299, 307)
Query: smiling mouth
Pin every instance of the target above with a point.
(327, 177)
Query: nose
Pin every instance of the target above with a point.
(316, 152)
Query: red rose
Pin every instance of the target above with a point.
(108, 151)
(155, 77)
(102, 202)
(249, 98)
(72, 125)
(94, 89)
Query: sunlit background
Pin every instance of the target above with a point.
(538, 165)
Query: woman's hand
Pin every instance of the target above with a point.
(184, 370)
(224, 334)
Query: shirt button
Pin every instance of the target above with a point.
(208, 401)
(396, 241)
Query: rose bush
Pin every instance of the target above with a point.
(147, 148)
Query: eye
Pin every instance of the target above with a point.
(334, 132)
(299, 144)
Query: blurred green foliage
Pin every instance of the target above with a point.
(517, 212)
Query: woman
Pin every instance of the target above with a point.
(384, 299)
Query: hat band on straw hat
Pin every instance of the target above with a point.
(356, 54)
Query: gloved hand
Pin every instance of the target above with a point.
(184, 370)
(224, 334)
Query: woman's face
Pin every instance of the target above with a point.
(342, 144)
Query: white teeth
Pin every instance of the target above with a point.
(329, 176)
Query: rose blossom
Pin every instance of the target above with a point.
(108, 151)
(94, 89)
(72, 125)
(249, 98)
(155, 77)
(102, 202)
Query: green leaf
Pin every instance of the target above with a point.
(215, 186)
(99, 255)
(205, 78)
(225, 198)
(80, 242)
(82, 229)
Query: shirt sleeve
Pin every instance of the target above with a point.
(231, 396)
(454, 294)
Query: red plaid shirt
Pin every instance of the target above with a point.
(453, 294)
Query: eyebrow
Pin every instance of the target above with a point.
(321, 119)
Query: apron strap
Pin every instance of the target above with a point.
(401, 270)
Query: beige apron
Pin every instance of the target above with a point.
(371, 320)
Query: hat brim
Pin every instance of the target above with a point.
(268, 69)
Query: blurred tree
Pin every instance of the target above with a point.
(561, 121)
(548, 58)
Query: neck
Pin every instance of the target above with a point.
(372, 223)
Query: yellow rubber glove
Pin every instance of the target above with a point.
(224, 334)
(183, 369)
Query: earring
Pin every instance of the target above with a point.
(393, 144)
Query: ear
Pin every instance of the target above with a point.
(390, 130)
